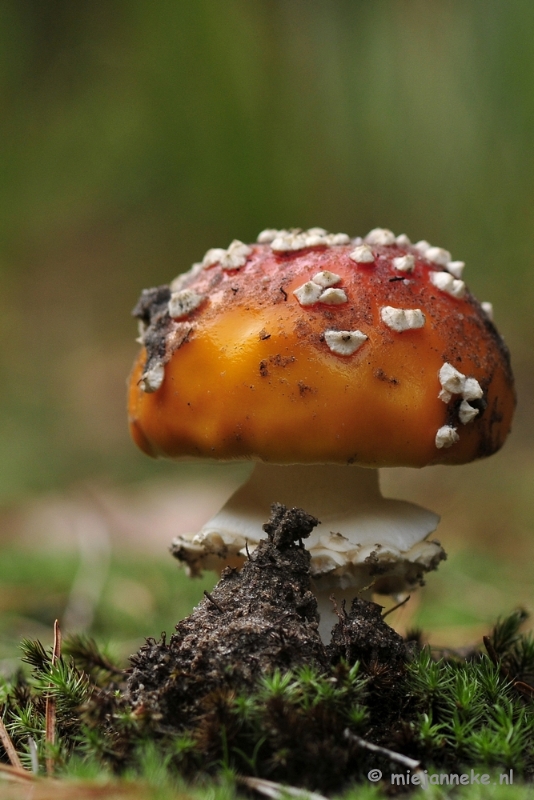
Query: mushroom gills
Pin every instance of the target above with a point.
(364, 540)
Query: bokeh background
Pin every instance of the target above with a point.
(135, 135)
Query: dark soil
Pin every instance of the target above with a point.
(363, 636)
(259, 619)
(257, 622)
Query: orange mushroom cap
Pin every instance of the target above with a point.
(313, 348)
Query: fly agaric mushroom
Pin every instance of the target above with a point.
(321, 358)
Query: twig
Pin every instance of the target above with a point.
(213, 601)
(50, 710)
(337, 612)
(11, 753)
(394, 608)
(277, 791)
(524, 688)
(366, 588)
(409, 763)
(15, 774)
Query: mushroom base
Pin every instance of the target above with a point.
(365, 542)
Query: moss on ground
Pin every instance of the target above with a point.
(456, 714)
(288, 710)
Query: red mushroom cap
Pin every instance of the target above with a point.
(308, 347)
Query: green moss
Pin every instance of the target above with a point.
(457, 715)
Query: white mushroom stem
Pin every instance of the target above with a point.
(364, 539)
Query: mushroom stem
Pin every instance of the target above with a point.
(364, 540)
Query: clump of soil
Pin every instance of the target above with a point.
(362, 635)
(246, 679)
(256, 620)
(248, 668)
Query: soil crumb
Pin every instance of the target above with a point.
(256, 620)
(362, 635)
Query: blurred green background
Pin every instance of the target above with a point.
(135, 135)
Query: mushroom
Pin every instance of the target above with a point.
(321, 358)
